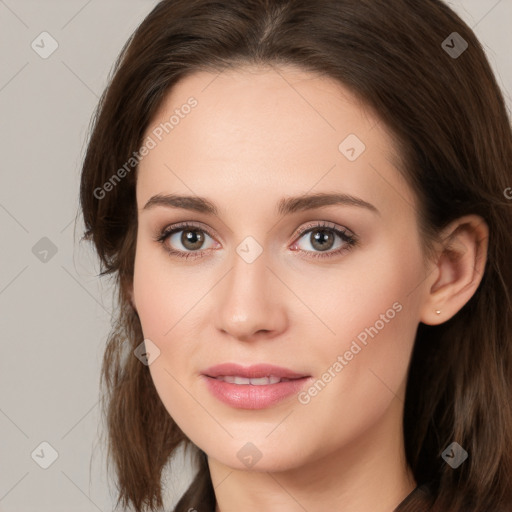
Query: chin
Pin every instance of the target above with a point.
(256, 453)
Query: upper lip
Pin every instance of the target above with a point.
(252, 372)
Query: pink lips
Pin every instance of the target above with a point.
(258, 395)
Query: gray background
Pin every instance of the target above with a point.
(55, 312)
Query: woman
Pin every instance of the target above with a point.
(236, 144)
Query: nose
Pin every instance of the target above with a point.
(251, 301)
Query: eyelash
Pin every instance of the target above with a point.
(348, 238)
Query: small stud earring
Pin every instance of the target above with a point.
(438, 311)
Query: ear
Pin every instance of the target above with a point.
(458, 269)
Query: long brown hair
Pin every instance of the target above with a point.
(449, 118)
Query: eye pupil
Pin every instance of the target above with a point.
(321, 238)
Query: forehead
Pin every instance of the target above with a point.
(265, 130)
(251, 106)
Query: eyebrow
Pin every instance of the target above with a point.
(286, 206)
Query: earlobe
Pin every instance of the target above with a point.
(459, 269)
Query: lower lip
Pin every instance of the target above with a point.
(249, 396)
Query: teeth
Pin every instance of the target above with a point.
(261, 381)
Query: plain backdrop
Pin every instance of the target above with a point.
(55, 311)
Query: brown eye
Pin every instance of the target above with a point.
(322, 239)
(184, 240)
(192, 239)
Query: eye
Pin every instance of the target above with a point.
(322, 239)
(191, 238)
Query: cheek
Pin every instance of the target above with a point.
(373, 310)
(363, 295)
(375, 331)
(160, 294)
(163, 300)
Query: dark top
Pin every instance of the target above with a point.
(418, 500)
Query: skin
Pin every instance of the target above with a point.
(256, 136)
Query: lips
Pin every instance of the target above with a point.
(255, 372)
(254, 387)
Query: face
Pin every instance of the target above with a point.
(284, 295)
